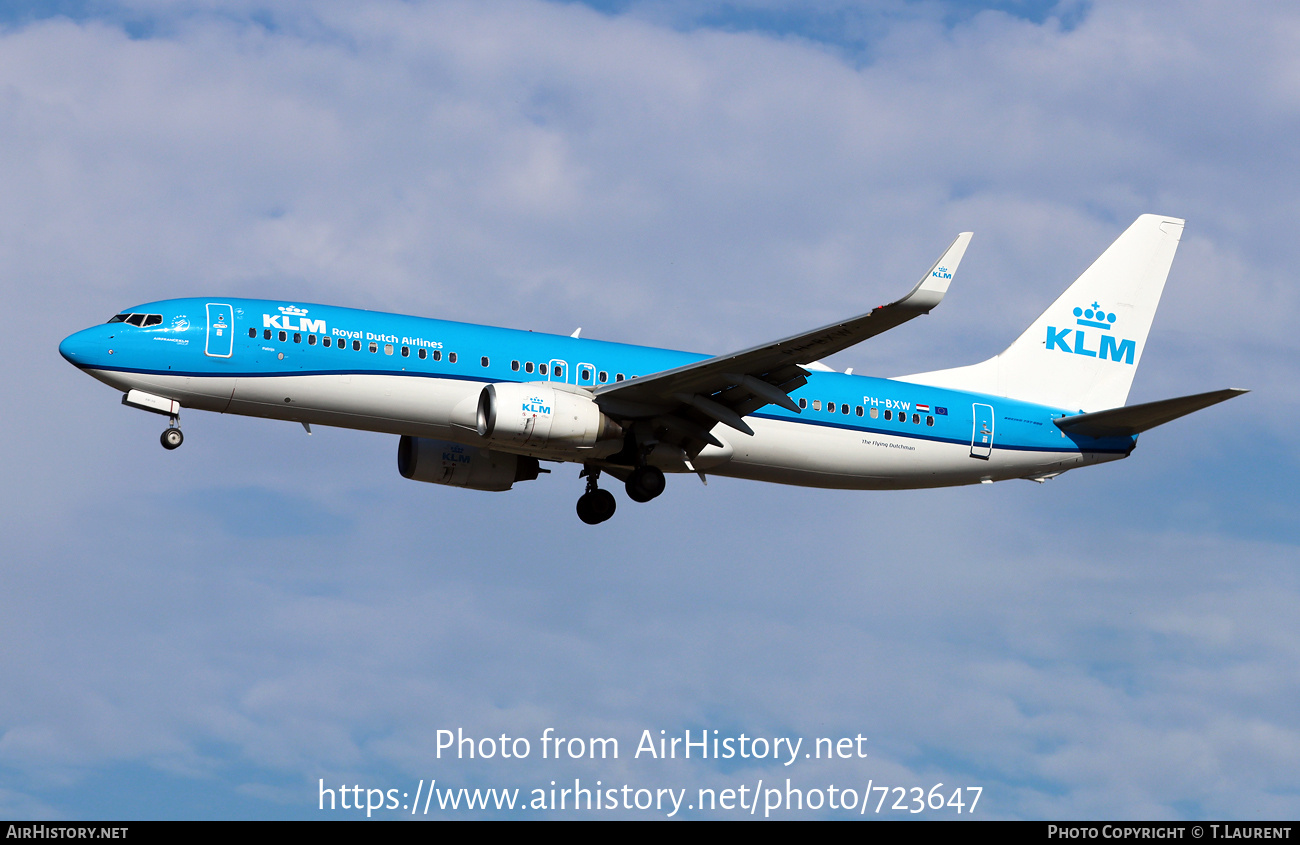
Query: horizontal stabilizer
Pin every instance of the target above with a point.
(1125, 422)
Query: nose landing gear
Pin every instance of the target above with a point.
(596, 505)
(171, 437)
(155, 404)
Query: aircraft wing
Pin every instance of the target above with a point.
(686, 402)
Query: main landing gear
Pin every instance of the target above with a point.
(596, 505)
(171, 437)
(645, 483)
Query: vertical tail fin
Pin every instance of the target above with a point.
(1084, 350)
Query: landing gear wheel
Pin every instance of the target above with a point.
(172, 438)
(596, 506)
(645, 483)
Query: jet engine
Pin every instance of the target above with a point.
(458, 465)
(542, 417)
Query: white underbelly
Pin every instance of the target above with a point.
(826, 456)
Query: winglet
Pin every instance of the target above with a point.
(934, 284)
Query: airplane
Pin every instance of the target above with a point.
(481, 407)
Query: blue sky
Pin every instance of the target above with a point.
(207, 633)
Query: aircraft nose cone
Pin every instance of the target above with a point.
(78, 349)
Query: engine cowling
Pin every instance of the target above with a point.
(458, 465)
(542, 417)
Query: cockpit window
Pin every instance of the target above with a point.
(138, 319)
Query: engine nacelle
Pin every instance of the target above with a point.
(542, 417)
(458, 465)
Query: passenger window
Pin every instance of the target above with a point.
(311, 340)
(325, 340)
(830, 407)
(618, 377)
(889, 415)
(437, 356)
(859, 410)
(875, 413)
(528, 367)
(602, 377)
(929, 420)
(388, 349)
(356, 346)
(406, 352)
(916, 419)
(297, 337)
(817, 404)
(252, 332)
(283, 337)
(514, 365)
(803, 403)
(559, 371)
(844, 409)
(423, 354)
(541, 369)
(266, 335)
(483, 362)
(374, 347)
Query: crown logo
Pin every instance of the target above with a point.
(295, 311)
(1095, 316)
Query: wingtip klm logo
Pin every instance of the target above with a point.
(285, 320)
(941, 273)
(1095, 317)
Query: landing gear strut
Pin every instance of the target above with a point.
(596, 505)
(645, 483)
(171, 437)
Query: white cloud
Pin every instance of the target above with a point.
(1116, 643)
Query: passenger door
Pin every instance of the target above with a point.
(981, 440)
(221, 330)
